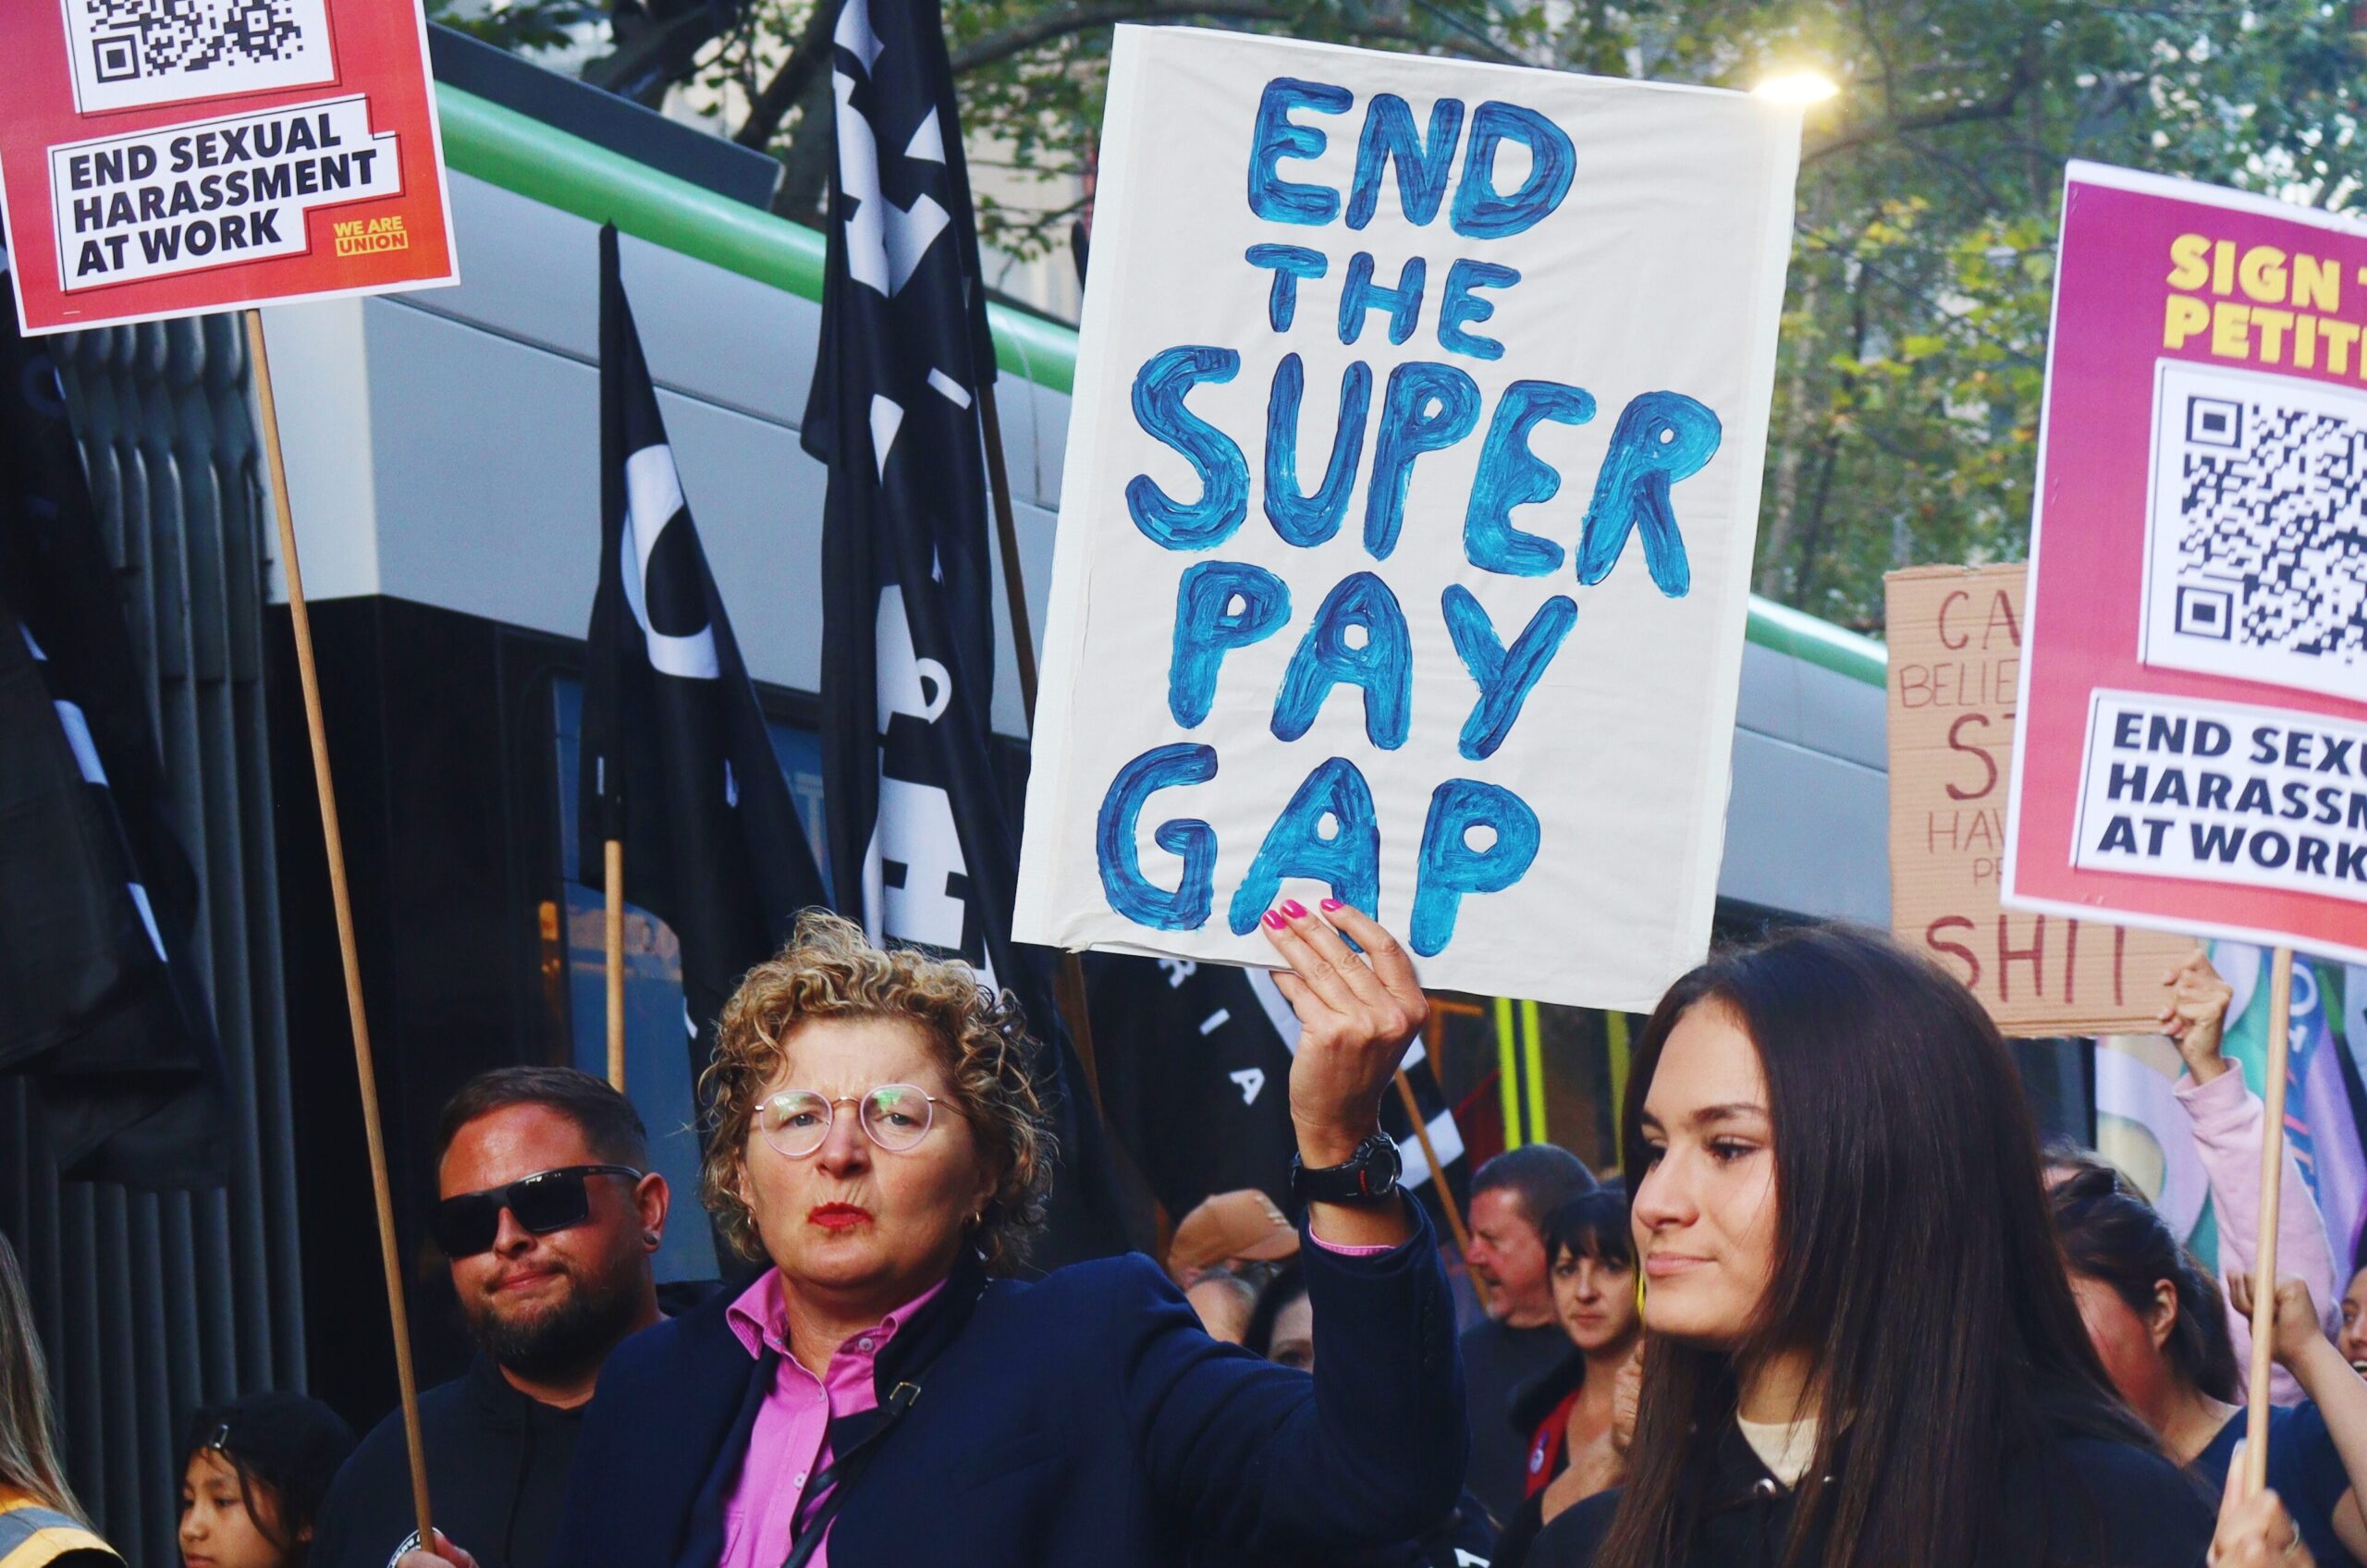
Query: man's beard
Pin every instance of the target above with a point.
(568, 1338)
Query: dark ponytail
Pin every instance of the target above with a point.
(2113, 1236)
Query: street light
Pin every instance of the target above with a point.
(1797, 87)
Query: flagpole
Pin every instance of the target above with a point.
(341, 901)
(2272, 1192)
(1014, 587)
(614, 859)
(1068, 978)
(1438, 1176)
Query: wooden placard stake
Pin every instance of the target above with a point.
(1068, 981)
(2271, 1191)
(342, 899)
(613, 855)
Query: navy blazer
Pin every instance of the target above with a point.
(1083, 1420)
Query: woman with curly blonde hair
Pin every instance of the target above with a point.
(879, 1396)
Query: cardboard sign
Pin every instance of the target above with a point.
(172, 157)
(2191, 743)
(1955, 649)
(1412, 481)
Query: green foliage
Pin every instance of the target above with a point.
(1914, 344)
(1907, 399)
(1913, 335)
(523, 26)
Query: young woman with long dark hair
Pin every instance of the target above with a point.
(1861, 1350)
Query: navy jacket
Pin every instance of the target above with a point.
(1080, 1421)
(2080, 1502)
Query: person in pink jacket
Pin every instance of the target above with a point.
(2228, 1124)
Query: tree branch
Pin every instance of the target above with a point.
(811, 52)
(1999, 107)
(1078, 18)
(1065, 19)
(809, 55)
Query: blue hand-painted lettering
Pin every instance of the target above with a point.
(1129, 892)
(1359, 296)
(1301, 518)
(1219, 606)
(1458, 307)
(1661, 438)
(1276, 136)
(1328, 833)
(1382, 663)
(1224, 504)
(1450, 866)
(1511, 475)
(1481, 212)
(1291, 262)
(1426, 405)
(1422, 168)
(1504, 676)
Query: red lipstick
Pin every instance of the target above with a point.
(838, 1216)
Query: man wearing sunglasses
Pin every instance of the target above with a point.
(548, 1223)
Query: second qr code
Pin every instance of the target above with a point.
(2256, 529)
(129, 53)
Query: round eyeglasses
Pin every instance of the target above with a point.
(894, 1116)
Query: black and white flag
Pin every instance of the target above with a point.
(101, 1006)
(921, 842)
(677, 761)
(1201, 1095)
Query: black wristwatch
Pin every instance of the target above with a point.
(1371, 1172)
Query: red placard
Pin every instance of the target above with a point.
(2190, 746)
(172, 157)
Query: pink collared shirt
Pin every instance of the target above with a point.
(791, 1441)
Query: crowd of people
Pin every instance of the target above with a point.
(1836, 1308)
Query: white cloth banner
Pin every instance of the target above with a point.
(1405, 533)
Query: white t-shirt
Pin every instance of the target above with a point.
(1786, 1448)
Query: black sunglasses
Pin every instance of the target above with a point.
(546, 1201)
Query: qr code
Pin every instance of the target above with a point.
(131, 53)
(2257, 534)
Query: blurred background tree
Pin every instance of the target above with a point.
(1906, 396)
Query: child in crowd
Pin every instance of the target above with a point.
(254, 1474)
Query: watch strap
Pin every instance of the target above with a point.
(1371, 1172)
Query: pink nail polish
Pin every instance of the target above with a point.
(1294, 909)
(1331, 904)
(1274, 921)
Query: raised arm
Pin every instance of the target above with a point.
(1357, 1016)
(2230, 1122)
(2331, 1385)
(1371, 1450)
